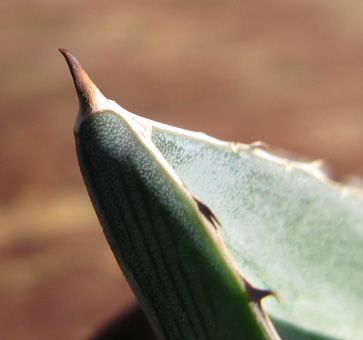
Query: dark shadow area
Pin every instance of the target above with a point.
(132, 325)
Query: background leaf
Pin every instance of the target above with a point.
(288, 227)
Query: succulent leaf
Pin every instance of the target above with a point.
(204, 229)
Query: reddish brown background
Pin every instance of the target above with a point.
(288, 73)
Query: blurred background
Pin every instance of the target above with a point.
(288, 73)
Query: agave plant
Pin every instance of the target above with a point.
(203, 230)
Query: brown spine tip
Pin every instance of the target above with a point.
(89, 95)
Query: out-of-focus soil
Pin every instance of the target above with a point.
(287, 73)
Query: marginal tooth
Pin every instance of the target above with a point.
(256, 294)
(207, 213)
(259, 145)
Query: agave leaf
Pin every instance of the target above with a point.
(284, 227)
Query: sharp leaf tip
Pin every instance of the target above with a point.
(88, 94)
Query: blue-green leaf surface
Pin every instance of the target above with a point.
(289, 228)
